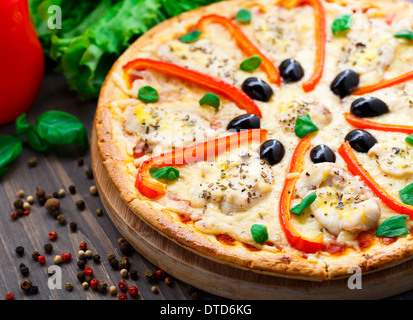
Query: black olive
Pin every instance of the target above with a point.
(272, 151)
(368, 107)
(345, 82)
(245, 122)
(291, 70)
(322, 153)
(257, 89)
(361, 140)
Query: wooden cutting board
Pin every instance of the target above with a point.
(226, 281)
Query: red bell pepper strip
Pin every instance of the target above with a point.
(367, 124)
(294, 238)
(384, 84)
(356, 168)
(320, 38)
(242, 100)
(203, 151)
(243, 42)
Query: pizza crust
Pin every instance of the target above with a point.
(286, 263)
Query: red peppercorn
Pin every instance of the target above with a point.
(10, 296)
(160, 274)
(14, 216)
(26, 212)
(83, 245)
(123, 285)
(94, 283)
(41, 259)
(66, 257)
(89, 271)
(52, 235)
(133, 291)
(122, 296)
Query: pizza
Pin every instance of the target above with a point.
(271, 136)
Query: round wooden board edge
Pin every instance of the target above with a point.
(226, 281)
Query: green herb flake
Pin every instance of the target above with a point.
(406, 195)
(251, 63)
(393, 226)
(342, 23)
(11, 148)
(404, 34)
(409, 139)
(191, 36)
(304, 125)
(148, 94)
(244, 16)
(210, 99)
(166, 173)
(307, 201)
(259, 233)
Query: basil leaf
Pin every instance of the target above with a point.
(393, 226)
(409, 139)
(404, 34)
(10, 149)
(342, 23)
(210, 99)
(148, 94)
(304, 126)
(61, 128)
(244, 16)
(191, 36)
(38, 144)
(307, 201)
(251, 63)
(22, 127)
(166, 173)
(406, 194)
(259, 233)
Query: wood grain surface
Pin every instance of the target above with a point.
(56, 170)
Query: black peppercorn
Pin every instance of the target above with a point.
(80, 204)
(20, 250)
(34, 289)
(126, 248)
(48, 247)
(114, 263)
(35, 255)
(123, 264)
(55, 195)
(19, 212)
(25, 285)
(24, 271)
(42, 201)
(72, 189)
(73, 226)
(81, 276)
(81, 264)
(133, 274)
(96, 258)
(40, 194)
(18, 204)
(80, 162)
(89, 173)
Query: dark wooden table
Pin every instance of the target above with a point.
(58, 170)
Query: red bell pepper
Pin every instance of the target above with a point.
(367, 124)
(296, 240)
(320, 39)
(356, 168)
(242, 100)
(203, 151)
(243, 42)
(384, 84)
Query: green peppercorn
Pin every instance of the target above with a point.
(99, 212)
(102, 287)
(69, 286)
(150, 275)
(123, 264)
(61, 218)
(111, 256)
(32, 162)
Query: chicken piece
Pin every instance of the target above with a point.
(342, 203)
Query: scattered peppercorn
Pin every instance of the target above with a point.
(9, 296)
(168, 280)
(25, 285)
(34, 289)
(41, 259)
(126, 248)
(133, 274)
(110, 256)
(114, 263)
(102, 287)
(32, 162)
(89, 271)
(80, 204)
(52, 205)
(124, 273)
(40, 193)
(150, 275)
(99, 212)
(81, 276)
(89, 254)
(94, 283)
(123, 264)
(24, 270)
(62, 193)
(61, 218)
(133, 291)
(122, 285)
(88, 279)
(26, 206)
(69, 286)
(96, 258)
(85, 285)
(160, 274)
(48, 247)
(82, 245)
(30, 199)
(55, 195)
(122, 296)
(18, 204)
(14, 216)
(72, 189)
(154, 289)
(195, 295)
(20, 250)
(57, 260)
(53, 235)
(113, 290)
(89, 173)
(93, 190)
(81, 264)
(73, 226)
(35, 255)
(48, 196)
(20, 193)
(66, 257)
